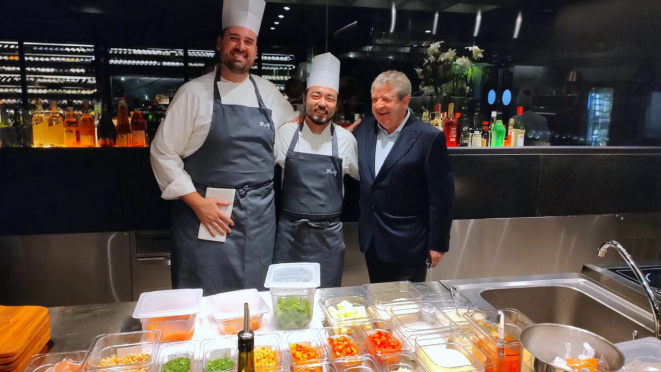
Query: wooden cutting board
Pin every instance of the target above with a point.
(24, 359)
(18, 326)
(45, 329)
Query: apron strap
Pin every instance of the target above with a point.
(216, 92)
(260, 102)
(294, 140)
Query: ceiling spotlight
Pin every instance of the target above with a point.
(281, 16)
(427, 31)
(122, 78)
(286, 8)
(272, 28)
(276, 23)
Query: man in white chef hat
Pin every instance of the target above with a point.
(315, 156)
(218, 136)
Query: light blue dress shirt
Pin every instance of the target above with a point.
(385, 142)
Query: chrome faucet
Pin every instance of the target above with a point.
(656, 313)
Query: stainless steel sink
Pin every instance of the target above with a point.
(564, 299)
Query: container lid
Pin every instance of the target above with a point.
(293, 275)
(645, 350)
(229, 305)
(168, 303)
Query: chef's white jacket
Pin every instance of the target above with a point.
(319, 144)
(188, 120)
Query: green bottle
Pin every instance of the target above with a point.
(498, 134)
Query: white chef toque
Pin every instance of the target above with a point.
(243, 13)
(325, 72)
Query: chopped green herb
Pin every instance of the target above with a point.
(177, 365)
(220, 364)
(293, 312)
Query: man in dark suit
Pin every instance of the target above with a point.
(406, 186)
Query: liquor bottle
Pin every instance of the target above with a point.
(107, 133)
(22, 129)
(55, 126)
(510, 132)
(123, 126)
(450, 128)
(246, 344)
(493, 119)
(70, 128)
(152, 127)
(39, 126)
(87, 127)
(465, 127)
(486, 134)
(498, 134)
(425, 116)
(6, 130)
(138, 129)
(519, 130)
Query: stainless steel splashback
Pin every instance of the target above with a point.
(546, 245)
(65, 269)
(527, 246)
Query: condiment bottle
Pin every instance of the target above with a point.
(246, 344)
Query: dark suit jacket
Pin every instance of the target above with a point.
(406, 210)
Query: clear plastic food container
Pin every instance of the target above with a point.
(178, 357)
(401, 362)
(227, 309)
(346, 310)
(642, 355)
(384, 296)
(359, 363)
(342, 342)
(315, 367)
(46, 362)
(122, 352)
(219, 354)
(268, 356)
(454, 307)
(380, 338)
(446, 356)
(292, 288)
(419, 318)
(305, 347)
(171, 311)
(504, 350)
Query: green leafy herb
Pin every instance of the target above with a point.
(293, 312)
(177, 365)
(220, 364)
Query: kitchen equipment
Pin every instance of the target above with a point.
(292, 288)
(227, 309)
(173, 312)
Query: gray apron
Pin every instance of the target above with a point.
(309, 227)
(237, 154)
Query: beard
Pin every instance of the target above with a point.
(236, 67)
(319, 118)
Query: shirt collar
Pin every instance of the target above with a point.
(399, 128)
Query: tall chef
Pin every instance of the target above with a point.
(315, 156)
(219, 133)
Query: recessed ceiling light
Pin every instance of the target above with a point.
(272, 28)
(427, 31)
(286, 8)
(281, 16)
(276, 23)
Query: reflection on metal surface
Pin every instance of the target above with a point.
(566, 299)
(534, 246)
(48, 269)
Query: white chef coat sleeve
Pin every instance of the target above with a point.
(167, 149)
(350, 163)
(283, 111)
(283, 137)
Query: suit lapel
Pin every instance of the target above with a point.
(370, 145)
(403, 144)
